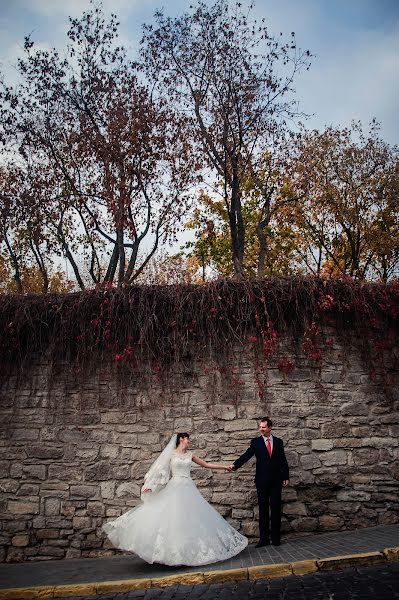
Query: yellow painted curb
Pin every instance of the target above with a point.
(75, 589)
(27, 593)
(391, 554)
(303, 567)
(224, 576)
(351, 560)
(123, 585)
(182, 579)
(269, 571)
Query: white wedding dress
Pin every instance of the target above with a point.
(176, 526)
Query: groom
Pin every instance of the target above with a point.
(271, 474)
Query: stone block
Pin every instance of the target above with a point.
(301, 375)
(28, 489)
(16, 471)
(17, 507)
(74, 436)
(129, 428)
(227, 498)
(38, 522)
(310, 461)
(241, 425)
(334, 457)
(81, 522)
(34, 471)
(122, 472)
(25, 434)
(355, 409)
(20, 540)
(207, 426)
(110, 451)
(51, 552)
(183, 424)
(44, 452)
(84, 491)
(331, 376)
(64, 472)
(68, 511)
(52, 506)
(87, 454)
(112, 417)
(380, 442)
(73, 553)
(353, 495)
(294, 508)
(47, 534)
(250, 528)
(349, 443)
(4, 468)
(95, 509)
(322, 444)
(239, 513)
(50, 489)
(107, 489)
(147, 438)
(365, 456)
(330, 523)
(100, 471)
(128, 489)
(225, 412)
(304, 524)
(336, 429)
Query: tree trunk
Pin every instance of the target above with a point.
(237, 228)
(14, 260)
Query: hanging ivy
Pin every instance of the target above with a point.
(154, 330)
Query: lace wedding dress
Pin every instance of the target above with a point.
(176, 526)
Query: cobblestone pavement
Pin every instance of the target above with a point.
(370, 583)
(121, 567)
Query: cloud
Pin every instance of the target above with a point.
(356, 43)
(357, 79)
(59, 8)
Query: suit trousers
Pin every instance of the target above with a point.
(269, 497)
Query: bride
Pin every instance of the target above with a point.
(174, 524)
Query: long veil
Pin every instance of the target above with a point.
(158, 474)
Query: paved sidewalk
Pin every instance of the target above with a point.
(122, 568)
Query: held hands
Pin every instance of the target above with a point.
(230, 468)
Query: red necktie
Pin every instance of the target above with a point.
(269, 447)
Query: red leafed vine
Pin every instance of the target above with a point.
(151, 332)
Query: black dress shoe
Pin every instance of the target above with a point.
(260, 544)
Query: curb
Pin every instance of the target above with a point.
(302, 567)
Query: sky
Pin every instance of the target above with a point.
(355, 43)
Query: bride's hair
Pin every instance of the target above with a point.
(181, 436)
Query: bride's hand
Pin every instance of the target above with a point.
(147, 490)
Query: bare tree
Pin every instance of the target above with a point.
(109, 162)
(234, 80)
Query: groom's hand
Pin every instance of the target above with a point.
(286, 482)
(231, 468)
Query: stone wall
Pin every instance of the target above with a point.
(74, 450)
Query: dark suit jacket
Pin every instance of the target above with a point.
(269, 470)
